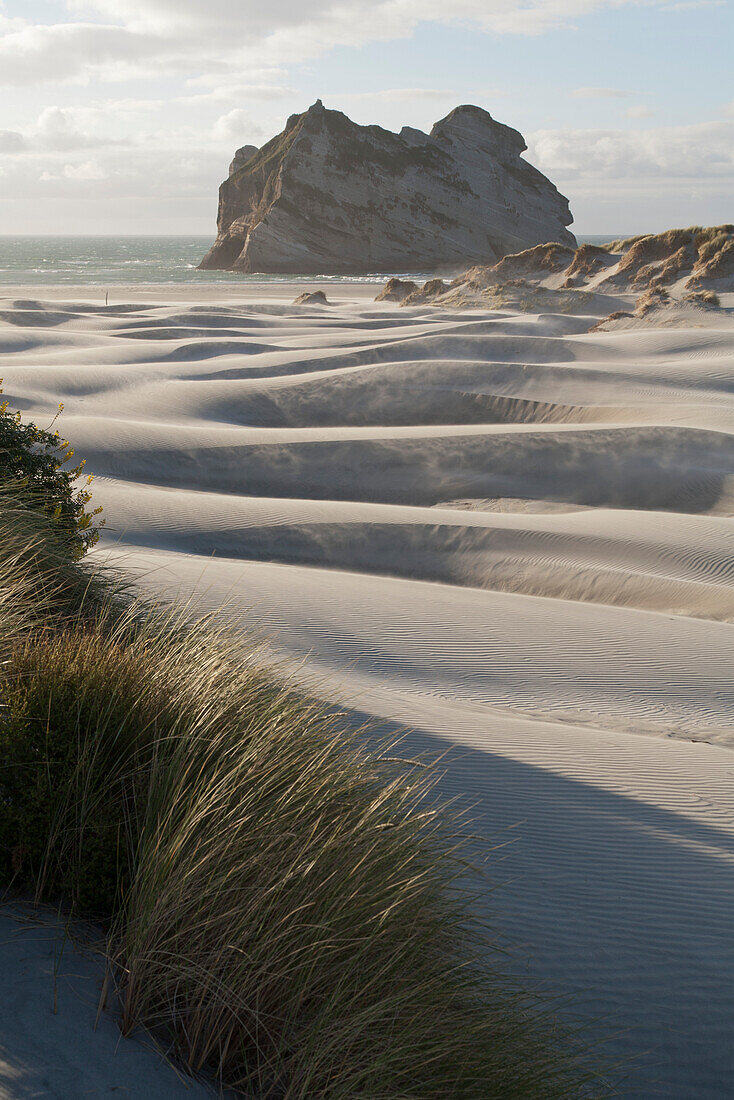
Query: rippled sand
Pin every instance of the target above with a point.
(505, 532)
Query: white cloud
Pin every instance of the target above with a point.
(39, 53)
(667, 155)
(87, 170)
(640, 111)
(629, 181)
(57, 130)
(11, 141)
(232, 90)
(227, 37)
(367, 18)
(237, 127)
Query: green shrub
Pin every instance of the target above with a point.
(35, 462)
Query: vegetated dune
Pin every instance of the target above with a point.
(665, 278)
(279, 896)
(505, 531)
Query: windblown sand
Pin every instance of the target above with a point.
(508, 533)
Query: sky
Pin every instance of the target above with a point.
(121, 116)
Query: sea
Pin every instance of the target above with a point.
(153, 261)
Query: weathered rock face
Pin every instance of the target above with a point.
(327, 196)
(241, 157)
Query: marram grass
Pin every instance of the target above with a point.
(283, 901)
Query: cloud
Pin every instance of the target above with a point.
(643, 180)
(366, 18)
(38, 53)
(11, 141)
(87, 170)
(124, 38)
(151, 182)
(640, 111)
(600, 93)
(56, 130)
(232, 90)
(236, 126)
(666, 155)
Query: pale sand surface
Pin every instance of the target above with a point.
(52, 1046)
(215, 292)
(505, 532)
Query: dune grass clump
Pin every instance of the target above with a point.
(622, 244)
(703, 298)
(710, 239)
(706, 253)
(588, 260)
(285, 904)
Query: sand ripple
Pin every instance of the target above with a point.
(506, 532)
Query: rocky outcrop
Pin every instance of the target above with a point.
(311, 298)
(327, 196)
(241, 157)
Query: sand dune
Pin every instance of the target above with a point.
(609, 557)
(504, 531)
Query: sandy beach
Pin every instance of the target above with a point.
(502, 531)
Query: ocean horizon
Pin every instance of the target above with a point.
(37, 260)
